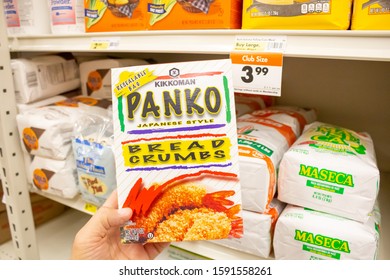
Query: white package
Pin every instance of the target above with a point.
(281, 127)
(44, 102)
(302, 115)
(331, 169)
(246, 105)
(47, 131)
(264, 136)
(95, 75)
(41, 77)
(67, 17)
(304, 234)
(258, 161)
(92, 147)
(258, 231)
(27, 17)
(56, 177)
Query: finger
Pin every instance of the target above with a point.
(112, 200)
(110, 218)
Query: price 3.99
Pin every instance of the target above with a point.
(250, 72)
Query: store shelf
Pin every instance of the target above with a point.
(54, 237)
(76, 203)
(73, 220)
(340, 44)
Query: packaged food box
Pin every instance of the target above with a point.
(296, 14)
(371, 15)
(331, 169)
(176, 152)
(305, 234)
(194, 14)
(114, 15)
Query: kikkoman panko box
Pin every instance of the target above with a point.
(296, 14)
(371, 15)
(194, 14)
(176, 152)
(114, 15)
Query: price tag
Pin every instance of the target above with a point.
(104, 43)
(90, 208)
(258, 64)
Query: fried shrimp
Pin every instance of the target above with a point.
(193, 224)
(174, 198)
(174, 212)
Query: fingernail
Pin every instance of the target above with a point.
(125, 212)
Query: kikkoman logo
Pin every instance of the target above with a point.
(322, 241)
(174, 72)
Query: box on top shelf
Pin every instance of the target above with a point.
(114, 15)
(371, 15)
(296, 14)
(194, 14)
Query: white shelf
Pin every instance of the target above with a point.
(76, 203)
(339, 44)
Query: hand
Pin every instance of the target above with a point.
(99, 238)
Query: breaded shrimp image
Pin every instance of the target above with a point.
(181, 209)
(193, 224)
(178, 197)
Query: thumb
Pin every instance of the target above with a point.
(114, 217)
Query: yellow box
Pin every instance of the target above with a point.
(371, 15)
(297, 14)
(191, 14)
(114, 15)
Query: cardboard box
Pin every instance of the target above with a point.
(371, 15)
(43, 209)
(2, 205)
(297, 14)
(176, 152)
(111, 15)
(190, 14)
